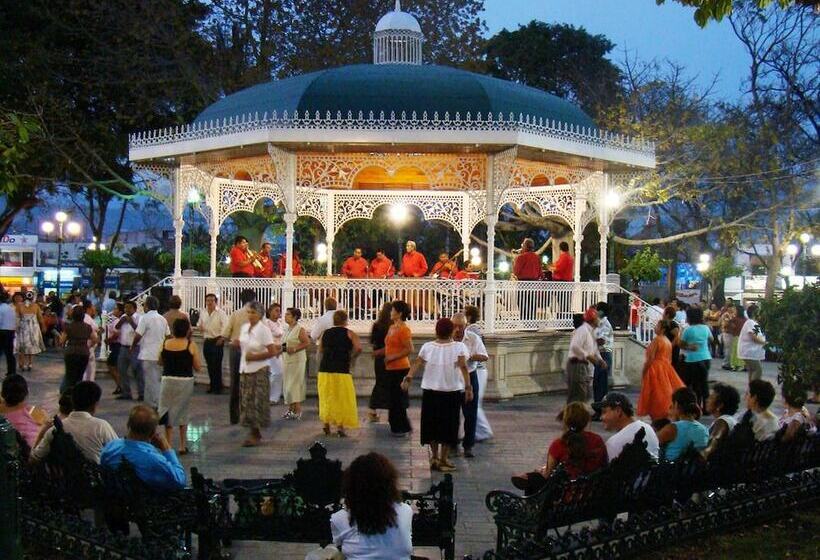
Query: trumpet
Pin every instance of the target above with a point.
(255, 259)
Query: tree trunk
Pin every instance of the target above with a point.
(772, 270)
(672, 279)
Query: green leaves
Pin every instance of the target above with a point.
(16, 134)
(708, 10)
(790, 325)
(645, 266)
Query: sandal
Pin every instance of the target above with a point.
(326, 429)
(446, 464)
(446, 467)
(372, 417)
(434, 464)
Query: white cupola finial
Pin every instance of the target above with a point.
(398, 38)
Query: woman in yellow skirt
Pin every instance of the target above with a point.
(337, 397)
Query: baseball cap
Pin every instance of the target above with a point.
(615, 399)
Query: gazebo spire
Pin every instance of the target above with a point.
(398, 38)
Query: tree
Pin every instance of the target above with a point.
(560, 59)
(708, 10)
(721, 268)
(644, 266)
(145, 259)
(99, 261)
(19, 138)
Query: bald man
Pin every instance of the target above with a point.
(413, 263)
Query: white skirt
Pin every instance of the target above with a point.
(174, 397)
(482, 427)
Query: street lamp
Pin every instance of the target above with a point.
(398, 215)
(792, 249)
(815, 250)
(71, 228)
(321, 253)
(612, 199)
(504, 267)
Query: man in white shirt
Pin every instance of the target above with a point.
(617, 415)
(89, 433)
(8, 326)
(605, 337)
(128, 363)
(478, 354)
(583, 351)
(751, 345)
(212, 322)
(151, 333)
(325, 321)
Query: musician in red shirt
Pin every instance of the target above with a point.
(241, 261)
(297, 264)
(266, 260)
(381, 266)
(444, 269)
(355, 266)
(413, 263)
(527, 265)
(563, 269)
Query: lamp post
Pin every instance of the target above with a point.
(398, 215)
(805, 238)
(71, 228)
(702, 266)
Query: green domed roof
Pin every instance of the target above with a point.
(396, 88)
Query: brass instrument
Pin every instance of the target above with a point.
(255, 259)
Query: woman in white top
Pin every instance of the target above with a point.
(256, 343)
(446, 385)
(796, 417)
(277, 327)
(375, 523)
(722, 404)
(483, 431)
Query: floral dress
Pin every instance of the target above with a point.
(29, 337)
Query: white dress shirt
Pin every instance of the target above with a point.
(583, 344)
(8, 317)
(748, 348)
(254, 341)
(475, 346)
(322, 324)
(153, 328)
(89, 433)
(396, 543)
(127, 331)
(212, 324)
(605, 332)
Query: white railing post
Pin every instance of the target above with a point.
(287, 289)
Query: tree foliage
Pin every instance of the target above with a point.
(644, 266)
(560, 59)
(100, 262)
(146, 259)
(788, 322)
(716, 10)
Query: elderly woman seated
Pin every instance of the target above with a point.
(578, 450)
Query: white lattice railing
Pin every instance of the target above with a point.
(391, 121)
(139, 299)
(520, 306)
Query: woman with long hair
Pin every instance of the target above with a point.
(579, 451)
(375, 522)
(683, 429)
(77, 339)
(179, 359)
(30, 327)
(445, 386)
(659, 379)
(294, 360)
(398, 345)
(337, 396)
(695, 340)
(380, 396)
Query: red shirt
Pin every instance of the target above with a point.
(297, 266)
(563, 268)
(355, 267)
(237, 256)
(443, 270)
(413, 265)
(267, 266)
(527, 266)
(594, 459)
(633, 312)
(381, 268)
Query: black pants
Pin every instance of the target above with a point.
(399, 401)
(696, 377)
(234, 357)
(7, 348)
(470, 412)
(213, 354)
(600, 378)
(75, 365)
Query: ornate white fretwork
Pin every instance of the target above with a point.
(314, 203)
(555, 201)
(448, 207)
(524, 173)
(236, 196)
(157, 180)
(442, 171)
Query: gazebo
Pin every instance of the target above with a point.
(338, 144)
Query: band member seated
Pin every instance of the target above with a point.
(381, 266)
(355, 266)
(297, 265)
(241, 259)
(265, 259)
(413, 263)
(444, 269)
(527, 265)
(562, 270)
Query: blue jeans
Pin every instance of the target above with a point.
(470, 412)
(600, 378)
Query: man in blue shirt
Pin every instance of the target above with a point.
(154, 462)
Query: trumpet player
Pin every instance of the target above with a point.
(265, 260)
(241, 259)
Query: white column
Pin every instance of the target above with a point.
(287, 289)
(329, 242)
(580, 207)
(491, 219)
(330, 231)
(214, 231)
(603, 231)
(179, 223)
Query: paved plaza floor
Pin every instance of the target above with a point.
(523, 428)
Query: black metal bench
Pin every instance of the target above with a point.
(297, 508)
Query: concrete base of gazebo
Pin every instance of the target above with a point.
(520, 364)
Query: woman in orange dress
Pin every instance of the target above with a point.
(659, 377)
